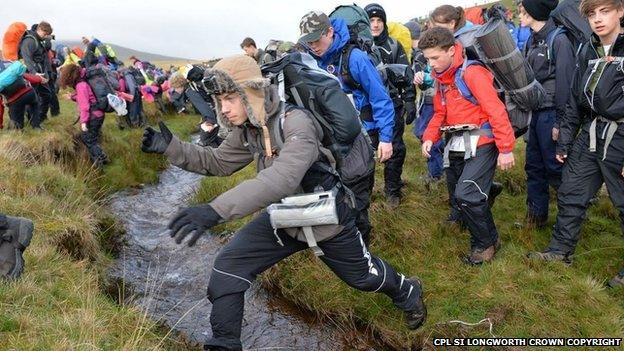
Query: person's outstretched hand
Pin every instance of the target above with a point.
(196, 220)
(155, 142)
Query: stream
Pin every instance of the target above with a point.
(169, 281)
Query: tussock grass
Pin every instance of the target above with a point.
(58, 303)
(521, 298)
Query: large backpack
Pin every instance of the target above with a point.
(11, 77)
(475, 14)
(102, 82)
(139, 79)
(12, 39)
(303, 83)
(402, 35)
(514, 78)
(360, 37)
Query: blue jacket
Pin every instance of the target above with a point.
(521, 35)
(363, 71)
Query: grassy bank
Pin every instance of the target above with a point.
(58, 303)
(521, 298)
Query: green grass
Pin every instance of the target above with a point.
(59, 303)
(521, 298)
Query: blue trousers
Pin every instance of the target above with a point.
(435, 162)
(541, 167)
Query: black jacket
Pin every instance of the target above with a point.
(554, 73)
(34, 54)
(392, 52)
(585, 104)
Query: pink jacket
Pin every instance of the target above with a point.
(84, 97)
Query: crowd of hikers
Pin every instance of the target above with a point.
(317, 115)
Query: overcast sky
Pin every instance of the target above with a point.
(189, 29)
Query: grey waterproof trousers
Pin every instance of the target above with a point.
(469, 182)
(255, 248)
(583, 174)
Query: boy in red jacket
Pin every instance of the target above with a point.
(479, 136)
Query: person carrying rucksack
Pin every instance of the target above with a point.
(424, 82)
(480, 137)
(403, 97)
(300, 166)
(551, 56)
(20, 97)
(34, 53)
(91, 118)
(327, 41)
(201, 100)
(133, 81)
(591, 136)
(251, 49)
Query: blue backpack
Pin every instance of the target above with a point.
(460, 83)
(10, 77)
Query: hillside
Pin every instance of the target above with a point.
(123, 53)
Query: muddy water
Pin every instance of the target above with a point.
(169, 281)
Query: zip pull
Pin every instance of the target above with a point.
(279, 241)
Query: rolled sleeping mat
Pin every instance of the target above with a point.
(500, 54)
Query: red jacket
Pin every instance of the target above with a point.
(459, 110)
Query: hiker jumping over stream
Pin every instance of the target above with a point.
(297, 165)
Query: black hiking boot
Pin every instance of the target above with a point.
(550, 256)
(15, 235)
(416, 317)
(495, 190)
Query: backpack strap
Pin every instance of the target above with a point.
(344, 69)
(550, 42)
(394, 48)
(460, 82)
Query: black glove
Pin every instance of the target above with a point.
(156, 142)
(194, 220)
(410, 112)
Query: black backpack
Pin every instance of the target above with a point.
(102, 82)
(306, 85)
(139, 79)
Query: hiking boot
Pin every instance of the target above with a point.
(416, 317)
(495, 190)
(535, 221)
(550, 256)
(15, 235)
(393, 201)
(617, 281)
(479, 256)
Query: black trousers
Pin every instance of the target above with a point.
(363, 190)
(583, 174)
(44, 92)
(469, 182)
(91, 140)
(135, 110)
(254, 249)
(17, 110)
(55, 108)
(393, 168)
